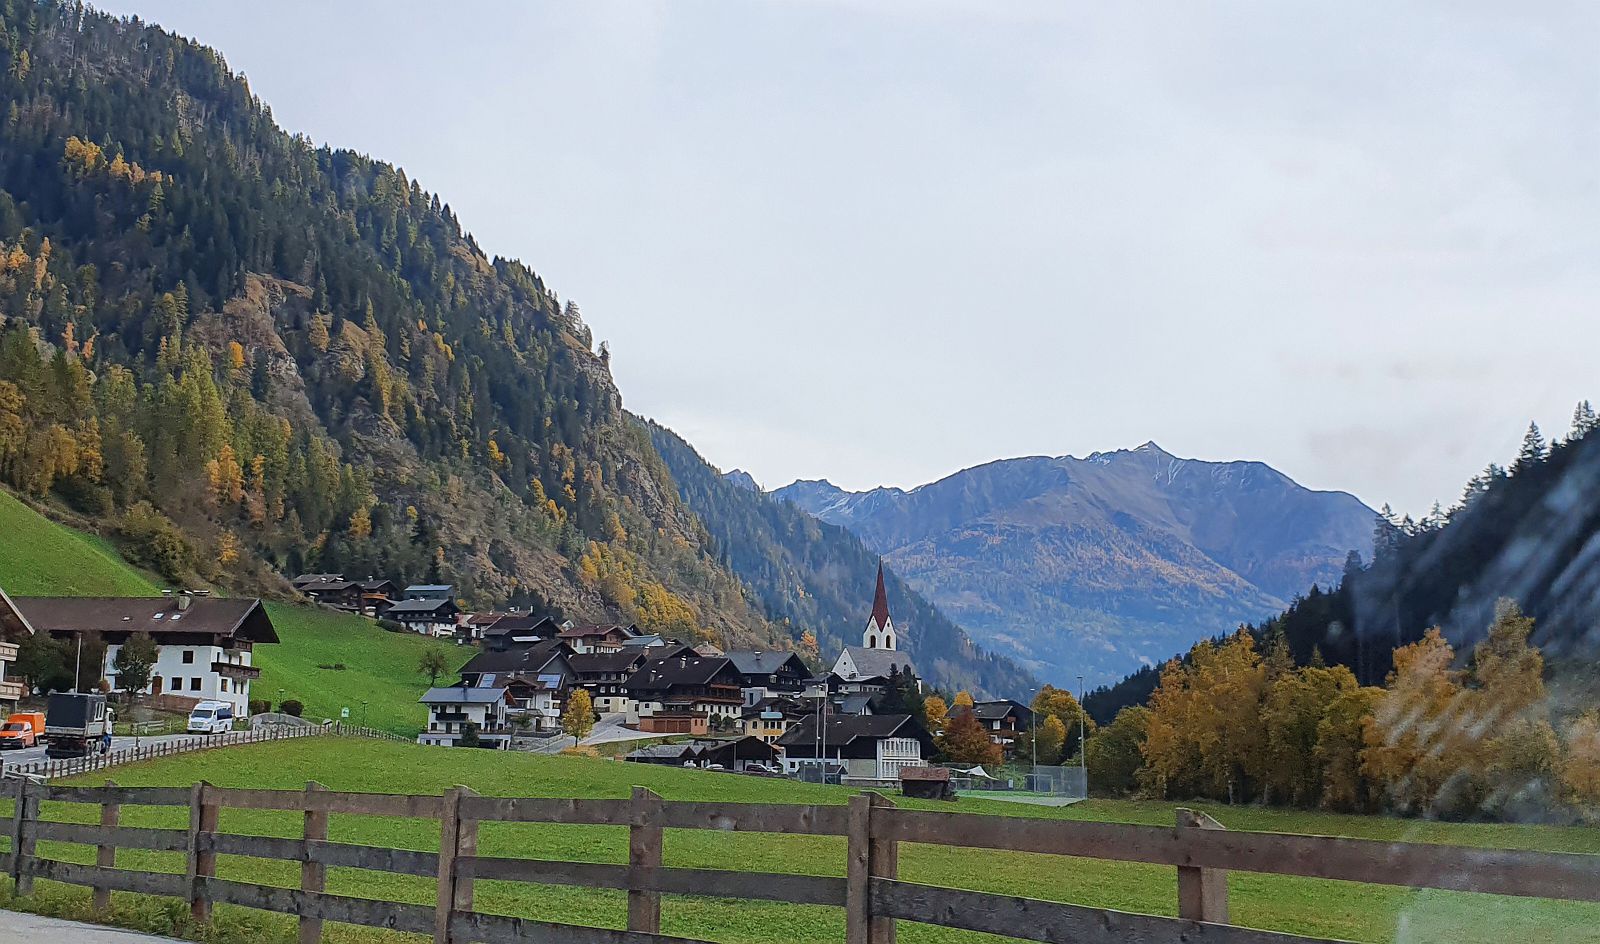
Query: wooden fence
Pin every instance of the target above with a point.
(871, 893)
(69, 766)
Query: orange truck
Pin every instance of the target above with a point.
(22, 729)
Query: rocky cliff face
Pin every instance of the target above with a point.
(1099, 564)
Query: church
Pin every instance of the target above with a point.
(867, 667)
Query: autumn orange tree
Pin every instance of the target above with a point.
(1058, 703)
(966, 741)
(1204, 736)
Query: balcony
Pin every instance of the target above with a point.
(233, 670)
(12, 691)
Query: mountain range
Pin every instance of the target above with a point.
(1097, 565)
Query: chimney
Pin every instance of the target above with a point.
(184, 599)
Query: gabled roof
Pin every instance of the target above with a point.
(841, 730)
(419, 607)
(880, 602)
(315, 578)
(753, 662)
(522, 624)
(516, 658)
(666, 673)
(877, 663)
(13, 625)
(377, 583)
(595, 629)
(645, 641)
(327, 586)
(594, 663)
(204, 616)
(998, 710)
(787, 706)
(460, 695)
(430, 588)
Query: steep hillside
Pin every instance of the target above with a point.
(253, 355)
(39, 558)
(1094, 565)
(818, 576)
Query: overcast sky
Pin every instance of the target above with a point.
(881, 241)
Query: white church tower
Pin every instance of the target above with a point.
(879, 633)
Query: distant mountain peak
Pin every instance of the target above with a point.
(742, 479)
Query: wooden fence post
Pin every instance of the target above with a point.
(644, 854)
(22, 843)
(449, 838)
(466, 848)
(105, 855)
(203, 816)
(1202, 893)
(313, 875)
(866, 859)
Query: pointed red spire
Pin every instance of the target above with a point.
(880, 601)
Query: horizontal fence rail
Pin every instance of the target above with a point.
(71, 766)
(873, 897)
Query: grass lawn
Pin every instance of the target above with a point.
(39, 558)
(1331, 909)
(380, 668)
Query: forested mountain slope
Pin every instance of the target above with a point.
(814, 574)
(1094, 565)
(1530, 533)
(249, 354)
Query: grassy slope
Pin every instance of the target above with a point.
(39, 557)
(1333, 909)
(380, 668)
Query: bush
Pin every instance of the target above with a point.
(260, 706)
(291, 706)
(153, 540)
(390, 626)
(85, 496)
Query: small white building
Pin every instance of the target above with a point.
(451, 710)
(204, 645)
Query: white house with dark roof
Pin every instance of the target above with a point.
(205, 645)
(451, 710)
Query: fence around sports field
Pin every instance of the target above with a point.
(873, 896)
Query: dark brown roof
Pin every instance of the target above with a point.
(593, 629)
(843, 729)
(13, 625)
(518, 657)
(327, 586)
(663, 674)
(592, 663)
(205, 616)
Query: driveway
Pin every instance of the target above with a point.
(19, 928)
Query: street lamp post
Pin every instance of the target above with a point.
(1083, 738)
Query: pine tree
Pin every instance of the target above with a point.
(1584, 420)
(1534, 449)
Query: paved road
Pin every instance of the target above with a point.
(28, 755)
(19, 928)
(607, 730)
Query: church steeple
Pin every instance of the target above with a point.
(880, 628)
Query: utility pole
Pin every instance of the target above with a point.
(77, 664)
(1083, 738)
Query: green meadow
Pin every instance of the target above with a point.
(1327, 909)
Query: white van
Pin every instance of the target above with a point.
(211, 717)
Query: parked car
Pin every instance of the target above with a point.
(211, 717)
(22, 729)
